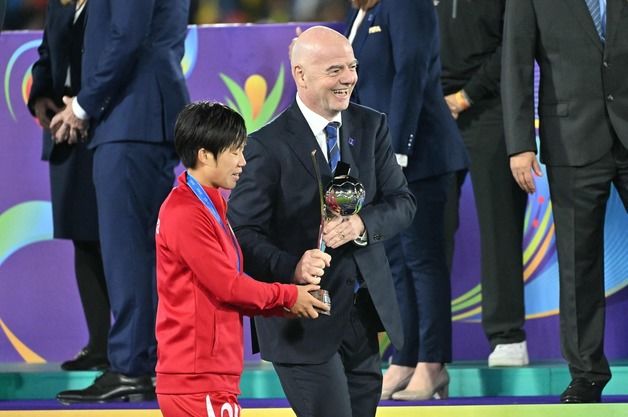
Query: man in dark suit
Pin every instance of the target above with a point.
(132, 89)
(397, 45)
(581, 47)
(331, 366)
(471, 83)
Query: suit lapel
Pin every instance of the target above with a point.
(583, 15)
(349, 145)
(302, 142)
(363, 30)
(614, 10)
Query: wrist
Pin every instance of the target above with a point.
(463, 101)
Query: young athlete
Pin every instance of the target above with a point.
(202, 290)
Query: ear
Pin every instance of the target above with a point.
(204, 157)
(298, 75)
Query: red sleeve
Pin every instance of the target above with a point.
(200, 243)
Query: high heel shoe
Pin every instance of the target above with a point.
(387, 392)
(439, 391)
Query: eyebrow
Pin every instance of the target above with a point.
(339, 66)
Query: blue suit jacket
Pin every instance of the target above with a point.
(275, 213)
(133, 85)
(397, 48)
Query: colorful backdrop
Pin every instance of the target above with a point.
(245, 66)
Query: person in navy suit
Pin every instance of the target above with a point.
(397, 46)
(329, 366)
(56, 73)
(132, 90)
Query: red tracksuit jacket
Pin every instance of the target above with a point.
(203, 296)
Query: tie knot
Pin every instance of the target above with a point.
(331, 130)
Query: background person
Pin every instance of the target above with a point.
(56, 73)
(471, 83)
(396, 43)
(132, 90)
(582, 53)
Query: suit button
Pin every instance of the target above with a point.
(377, 237)
(610, 97)
(605, 64)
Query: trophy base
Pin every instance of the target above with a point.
(322, 295)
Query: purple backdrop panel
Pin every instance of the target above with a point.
(247, 67)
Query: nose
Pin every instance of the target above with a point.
(242, 161)
(349, 76)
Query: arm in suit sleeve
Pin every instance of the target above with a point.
(485, 81)
(393, 207)
(413, 32)
(518, 76)
(42, 71)
(251, 208)
(129, 29)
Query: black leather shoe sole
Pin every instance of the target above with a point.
(111, 387)
(581, 391)
(129, 397)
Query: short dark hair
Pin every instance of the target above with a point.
(207, 125)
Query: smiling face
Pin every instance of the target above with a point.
(324, 69)
(224, 171)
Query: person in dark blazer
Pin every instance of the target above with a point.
(471, 84)
(56, 73)
(396, 43)
(132, 90)
(581, 47)
(329, 366)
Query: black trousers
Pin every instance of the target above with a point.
(348, 384)
(90, 278)
(500, 205)
(579, 196)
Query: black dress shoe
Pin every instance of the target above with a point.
(112, 387)
(86, 360)
(581, 390)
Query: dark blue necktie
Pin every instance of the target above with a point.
(333, 149)
(596, 15)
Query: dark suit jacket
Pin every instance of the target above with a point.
(275, 213)
(72, 192)
(583, 92)
(399, 69)
(133, 85)
(55, 55)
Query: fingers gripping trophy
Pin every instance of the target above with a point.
(343, 196)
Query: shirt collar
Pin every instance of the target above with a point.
(316, 122)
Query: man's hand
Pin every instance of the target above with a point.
(66, 127)
(522, 165)
(341, 230)
(311, 267)
(306, 305)
(457, 103)
(43, 106)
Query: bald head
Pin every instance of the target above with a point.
(324, 70)
(313, 41)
